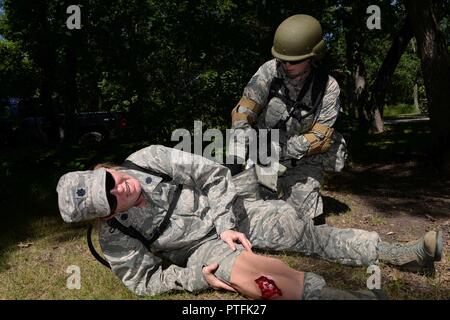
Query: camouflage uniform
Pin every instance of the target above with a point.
(209, 204)
(302, 181)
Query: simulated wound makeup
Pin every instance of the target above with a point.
(268, 287)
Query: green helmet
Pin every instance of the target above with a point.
(297, 38)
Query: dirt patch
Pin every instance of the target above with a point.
(401, 202)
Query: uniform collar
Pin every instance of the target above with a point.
(148, 182)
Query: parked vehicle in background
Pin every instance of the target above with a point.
(83, 127)
(94, 126)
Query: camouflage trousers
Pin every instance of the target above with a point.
(301, 183)
(216, 250)
(275, 225)
(300, 187)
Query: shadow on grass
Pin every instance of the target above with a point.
(408, 187)
(332, 206)
(393, 171)
(400, 142)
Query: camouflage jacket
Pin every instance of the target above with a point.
(257, 89)
(203, 211)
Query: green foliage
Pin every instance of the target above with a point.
(400, 110)
(406, 74)
(16, 71)
(170, 62)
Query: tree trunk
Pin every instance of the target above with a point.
(416, 82)
(71, 87)
(45, 60)
(359, 97)
(384, 76)
(416, 95)
(356, 88)
(435, 63)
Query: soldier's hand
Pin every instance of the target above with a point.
(213, 281)
(231, 236)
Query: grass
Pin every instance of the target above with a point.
(38, 270)
(402, 142)
(36, 247)
(401, 110)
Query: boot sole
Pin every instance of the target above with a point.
(428, 268)
(439, 246)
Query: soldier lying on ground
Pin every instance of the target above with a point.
(215, 222)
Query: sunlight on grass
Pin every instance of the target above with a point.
(39, 271)
(36, 247)
(401, 109)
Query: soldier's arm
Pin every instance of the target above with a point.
(254, 96)
(193, 170)
(319, 138)
(141, 271)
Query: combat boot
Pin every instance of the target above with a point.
(328, 293)
(418, 255)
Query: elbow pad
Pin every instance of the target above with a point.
(246, 110)
(317, 145)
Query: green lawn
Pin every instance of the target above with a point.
(36, 247)
(401, 110)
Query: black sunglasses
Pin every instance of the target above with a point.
(291, 62)
(110, 183)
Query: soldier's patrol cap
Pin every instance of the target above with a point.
(82, 195)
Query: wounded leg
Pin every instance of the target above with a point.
(259, 277)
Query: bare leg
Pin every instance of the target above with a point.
(259, 277)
